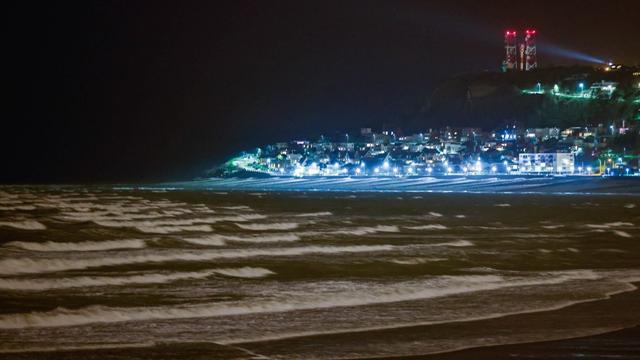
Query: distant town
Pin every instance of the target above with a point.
(594, 113)
(448, 151)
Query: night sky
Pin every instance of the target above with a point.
(141, 91)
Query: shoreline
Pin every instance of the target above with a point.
(606, 340)
(503, 184)
(609, 341)
(610, 321)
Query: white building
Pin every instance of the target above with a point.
(550, 163)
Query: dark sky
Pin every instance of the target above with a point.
(149, 90)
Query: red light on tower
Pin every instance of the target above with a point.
(510, 50)
(531, 60)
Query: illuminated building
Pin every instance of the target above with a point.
(550, 163)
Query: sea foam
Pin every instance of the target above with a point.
(354, 296)
(40, 265)
(271, 226)
(24, 224)
(79, 246)
(159, 278)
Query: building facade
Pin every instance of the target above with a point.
(551, 163)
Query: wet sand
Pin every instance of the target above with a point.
(484, 338)
(621, 344)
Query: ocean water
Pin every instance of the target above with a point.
(305, 274)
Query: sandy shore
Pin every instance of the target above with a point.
(621, 344)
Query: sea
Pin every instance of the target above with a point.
(136, 272)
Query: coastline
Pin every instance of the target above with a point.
(620, 344)
(498, 184)
(573, 327)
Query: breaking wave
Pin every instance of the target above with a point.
(428, 227)
(219, 240)
(354, 296)
(24, 225)
(178, 222)
(459, 243)
(622, 233)
(609, 225)
(415, 261)
(27, 265)
(174, 229)
(367, 230)
(79, 246)
(315, 214)
(272, 226)
(88, 281)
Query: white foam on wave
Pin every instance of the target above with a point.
(269, 226)
(609, 225)
(79, 246)
(179, 222)
(43, 265)
(158, 278)
(219, 240)
(551, 227)
(630, 206)
(623, 287)
(174, 229)
(366, 230)
(236, 207)
(210, 240)
(428, 227)
(315, 214)
(622, 233)
(18, 207)
(435, 214)
(415, 261)
(458, 243)
(502, 205)
(346, 295)
(24, 224)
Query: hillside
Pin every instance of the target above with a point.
(540, 98)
